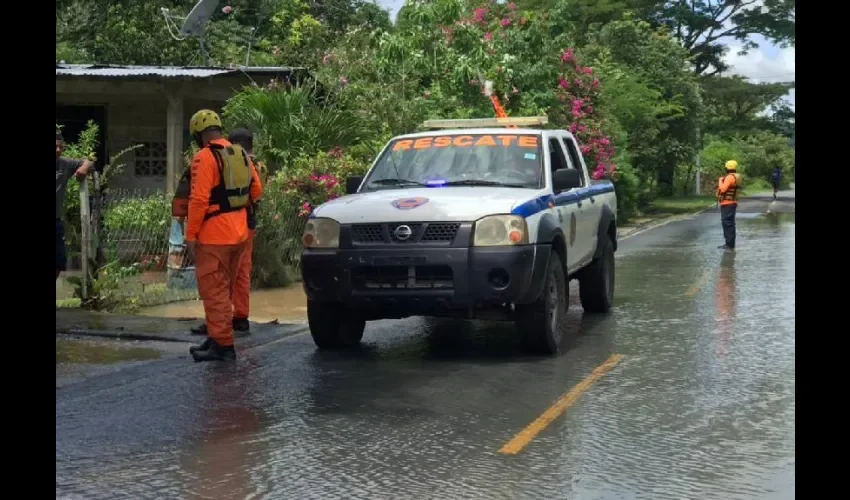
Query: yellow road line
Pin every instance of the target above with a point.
(704, 279)
(525, 436)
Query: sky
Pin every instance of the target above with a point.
(767, 64)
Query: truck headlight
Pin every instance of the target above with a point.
(321, 233)
(500, 230)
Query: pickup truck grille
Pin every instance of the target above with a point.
(420, 232)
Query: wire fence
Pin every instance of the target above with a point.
(134, 254)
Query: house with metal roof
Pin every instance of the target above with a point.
(149, 106)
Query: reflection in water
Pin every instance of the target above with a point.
(725, 302)
(219, 462)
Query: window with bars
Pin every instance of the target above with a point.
(151, 159)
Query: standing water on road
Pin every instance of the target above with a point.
(282, 304)
(702, 405)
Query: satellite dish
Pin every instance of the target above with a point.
(194, 25)
(196, 21)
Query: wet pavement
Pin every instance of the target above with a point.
(698, 400)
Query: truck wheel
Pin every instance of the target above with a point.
(334, 326)
(596, 284)
(541, 323)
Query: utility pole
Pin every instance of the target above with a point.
(697, 162)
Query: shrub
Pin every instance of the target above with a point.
(142, 222)
(288, 199)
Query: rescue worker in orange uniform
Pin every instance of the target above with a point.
(223, 184)
(728, 189)
(242, 287)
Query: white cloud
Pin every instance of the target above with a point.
(767, 64)
(762, 66)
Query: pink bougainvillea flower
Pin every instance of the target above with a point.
(505, 22)
(588, 71)
(568, 56)
(488, 36)
(479, 13)
(595, 83)
(563, 83)
(227, 9)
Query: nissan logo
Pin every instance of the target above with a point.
(403, 232)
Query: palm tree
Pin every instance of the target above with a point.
(290, 121)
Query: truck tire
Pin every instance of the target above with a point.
(596, 282)
(334, 326)
(541, 323)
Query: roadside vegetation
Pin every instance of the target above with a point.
(641, 84)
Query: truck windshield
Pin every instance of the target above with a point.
(512, 160)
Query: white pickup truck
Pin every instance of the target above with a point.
(473, 223)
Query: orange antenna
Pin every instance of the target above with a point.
(487, 88)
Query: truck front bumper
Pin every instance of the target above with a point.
(425, 281)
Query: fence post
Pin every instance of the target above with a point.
(85, 230)
(96, 212)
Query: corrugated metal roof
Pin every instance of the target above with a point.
(115, 71)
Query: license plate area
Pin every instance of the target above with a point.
(413, 277)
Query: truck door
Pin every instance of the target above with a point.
(569, 214)
(591, 208)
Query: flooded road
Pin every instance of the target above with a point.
(696, 399)
(282, 304)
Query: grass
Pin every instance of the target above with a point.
(679, 205)
(676, 205)
(131, 298)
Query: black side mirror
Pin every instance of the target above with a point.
(566, 179)
(353, 183)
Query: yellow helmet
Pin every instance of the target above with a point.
(731, 165)
(203, 120)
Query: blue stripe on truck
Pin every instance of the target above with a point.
(540, 204)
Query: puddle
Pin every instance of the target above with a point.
(768, 219)
(282, 304)
(83, 352)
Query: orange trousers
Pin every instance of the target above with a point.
(242, 285)
(215, 268)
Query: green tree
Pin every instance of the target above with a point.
(652, 64)
(705, 26)
(288, 122)
(735, 106)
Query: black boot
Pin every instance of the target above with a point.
(214, 352)
(241, 326)
(203, 347)
(199, 330)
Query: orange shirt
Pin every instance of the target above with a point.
(224, 229)
(725, 183)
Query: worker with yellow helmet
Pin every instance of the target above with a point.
(223, 185)
(728, 190)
